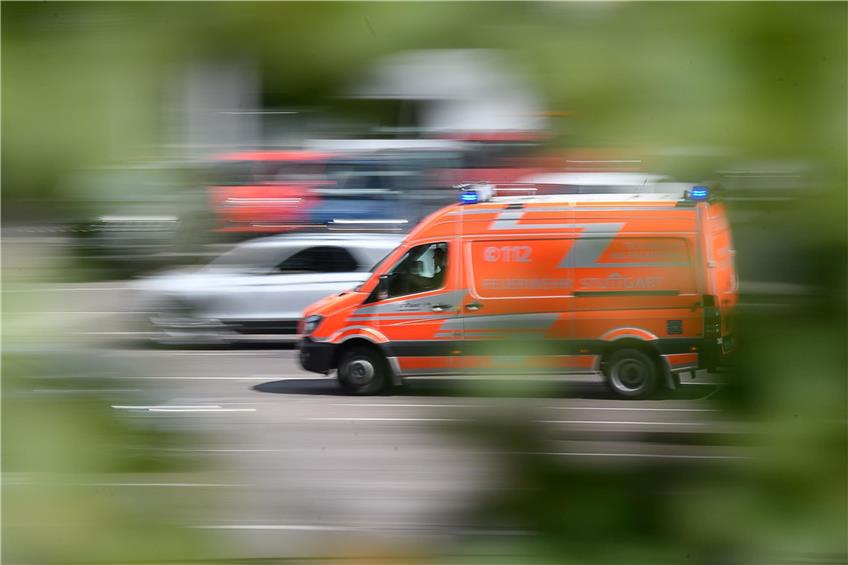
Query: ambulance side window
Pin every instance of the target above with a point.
(421, 269)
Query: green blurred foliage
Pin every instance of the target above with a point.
(84, 85)
(61, 451)
(85, 82)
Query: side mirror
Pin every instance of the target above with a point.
(383, 287)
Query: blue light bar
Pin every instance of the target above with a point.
(699, 193)
(468, 197)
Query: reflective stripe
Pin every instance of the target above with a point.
(540, 322)
(405, 306)
(587, 250)
(508, 220)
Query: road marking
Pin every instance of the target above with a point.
(138, 407)
(292, 527)
(194, 378)
(192, 410)
(85, 312)
(388, 419)
(374, 528)
(140, 334)
(210, 353)
(295, 378)
(644, 455)
(184, 409)
(620, 422)
(387, 404)
(633, 409)
(190, 450)
(65, 289)
(177, 485)
(378, 405)
(83, 390)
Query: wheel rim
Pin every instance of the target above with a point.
(360, 371)
(630, 375)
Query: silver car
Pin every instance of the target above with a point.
(257, 290)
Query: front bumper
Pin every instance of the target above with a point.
(316, 356)
(179, 330)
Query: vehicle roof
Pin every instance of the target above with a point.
(369, 145)
(286, 155)
(646, 212)
(597, 179)
(630, 198)
(346, 239)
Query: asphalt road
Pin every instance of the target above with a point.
(277, 462)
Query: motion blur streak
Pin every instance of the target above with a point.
(181, 181)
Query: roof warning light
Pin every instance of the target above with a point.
(475, 192)
(699, 193)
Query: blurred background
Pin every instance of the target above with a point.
(171, 171)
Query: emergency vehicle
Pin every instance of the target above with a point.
(638, 286)
(266, 191)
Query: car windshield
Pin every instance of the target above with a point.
(380, 262)
(248, 258)
(239, 173)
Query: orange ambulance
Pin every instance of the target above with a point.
(637, 285)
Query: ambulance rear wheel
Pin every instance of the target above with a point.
(632, 373)
(362, 371)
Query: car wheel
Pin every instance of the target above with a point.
(632, 373)
(362, 371)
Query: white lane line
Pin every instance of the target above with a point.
(643, 455)
(183, 409)
(387, 419)
(354, 419)
(83, 390)
(85, 312)
(621, 422)
(633, 409)
(193, 410)
(347, 529)
(287, 527)
(66, 289)
(295, 378)
(393, 405)
(162, 378)
(211, 353)
(140, 334)
(194, 378)
(177, 485)
(148, 407)
(190, 450)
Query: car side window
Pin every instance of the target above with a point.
(421, 269)
(323, 259)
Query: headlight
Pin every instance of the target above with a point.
(311, 324)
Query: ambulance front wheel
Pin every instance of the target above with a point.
(632, 373)
(363, 371)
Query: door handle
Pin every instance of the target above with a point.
(473, 306)
(440, 307)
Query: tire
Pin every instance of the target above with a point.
(362, 371)
(632, 373)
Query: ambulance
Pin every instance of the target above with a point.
(635, 283)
